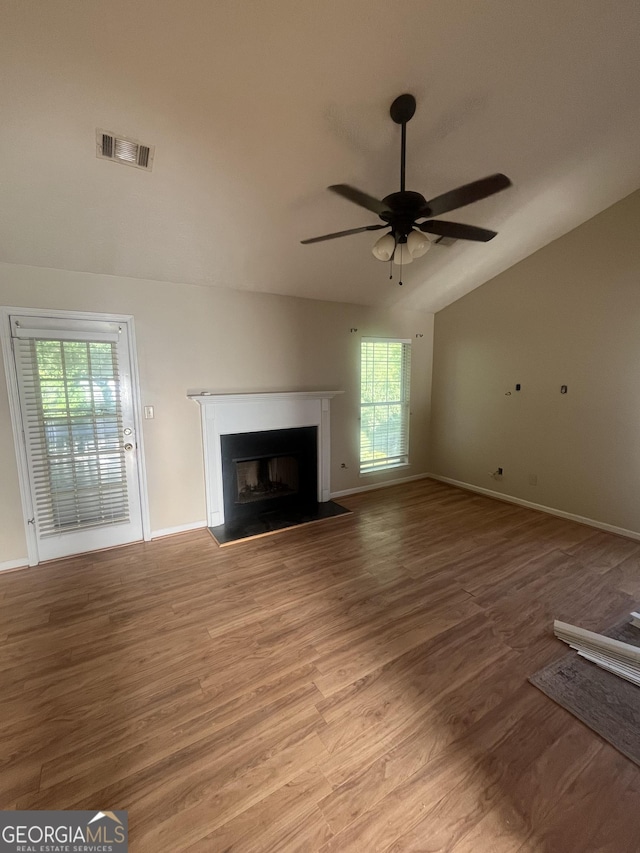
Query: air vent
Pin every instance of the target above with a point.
(120, 149)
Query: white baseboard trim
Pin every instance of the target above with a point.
(10, 565)
(560, 513)
(181, 528)
(375, 486)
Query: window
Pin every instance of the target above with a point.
(385, 368)
(71, 399)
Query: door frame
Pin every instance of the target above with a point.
(16, 417)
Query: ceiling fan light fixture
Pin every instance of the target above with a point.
(418, 244)
(401, 256)
(384, 247)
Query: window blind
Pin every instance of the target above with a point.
(385, 371)
(72, 418)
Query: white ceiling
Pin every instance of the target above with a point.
(256, 106)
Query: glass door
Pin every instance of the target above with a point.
(74, 385)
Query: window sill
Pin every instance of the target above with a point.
(386, 468)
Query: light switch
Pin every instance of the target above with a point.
(148, 412)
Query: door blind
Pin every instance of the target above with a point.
(385, 371)
(72, 418)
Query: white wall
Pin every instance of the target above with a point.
(567, 315)
(192, 337)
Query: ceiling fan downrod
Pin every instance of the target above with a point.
(401, 111)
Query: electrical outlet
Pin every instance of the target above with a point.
(500, 472)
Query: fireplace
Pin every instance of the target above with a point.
(269, 470)
(268, 483)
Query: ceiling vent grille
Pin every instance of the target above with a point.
(120, 149)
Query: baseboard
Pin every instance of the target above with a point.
(10, 565)
(181, 528)
(560, 513)
(375, 486)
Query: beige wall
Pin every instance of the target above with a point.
(191, 337)
(567, 315)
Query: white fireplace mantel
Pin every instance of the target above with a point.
(231, 413)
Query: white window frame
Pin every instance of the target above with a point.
(367, 469)
(16, 422)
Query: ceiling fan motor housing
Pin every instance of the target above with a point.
(404, 208)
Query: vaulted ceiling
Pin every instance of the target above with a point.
(256, 106)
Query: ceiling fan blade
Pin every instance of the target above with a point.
(344, 233)
(360, 198)
(468, 193)
(457, 230)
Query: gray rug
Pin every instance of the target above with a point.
(606, 703)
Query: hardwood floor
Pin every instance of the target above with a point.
(358, 685)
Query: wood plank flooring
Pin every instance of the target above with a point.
(359, 685)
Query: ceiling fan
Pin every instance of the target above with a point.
(401, 211)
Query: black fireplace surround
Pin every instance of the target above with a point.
(269, 471)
